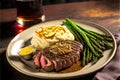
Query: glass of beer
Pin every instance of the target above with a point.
(29, 12)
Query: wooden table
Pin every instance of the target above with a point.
(102, 13)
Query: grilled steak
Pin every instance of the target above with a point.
(58, 56)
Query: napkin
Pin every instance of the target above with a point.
(112, 70)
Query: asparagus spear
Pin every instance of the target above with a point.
(84, 57)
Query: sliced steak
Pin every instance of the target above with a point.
(53, 58)
(46, 64)
(37, 61)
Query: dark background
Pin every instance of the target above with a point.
(47, 2)
(11, 3)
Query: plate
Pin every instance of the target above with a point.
(20, 40)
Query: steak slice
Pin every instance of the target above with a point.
(37, 61)
(46, 64)
(52, 58)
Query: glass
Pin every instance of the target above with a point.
(29, 12)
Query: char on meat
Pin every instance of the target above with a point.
(49, 61)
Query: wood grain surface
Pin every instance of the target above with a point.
(104, 13)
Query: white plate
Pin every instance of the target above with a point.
(19, 41)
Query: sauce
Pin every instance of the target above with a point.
(75, 67)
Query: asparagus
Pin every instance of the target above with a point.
(84, 57)
(95, 59)
(82, 33)
(94, 43)
(97, 44)
(96, 48)
(98, 35)
(88, 56)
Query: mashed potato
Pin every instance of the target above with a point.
(48, 35)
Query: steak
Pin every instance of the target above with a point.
(58, 56)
